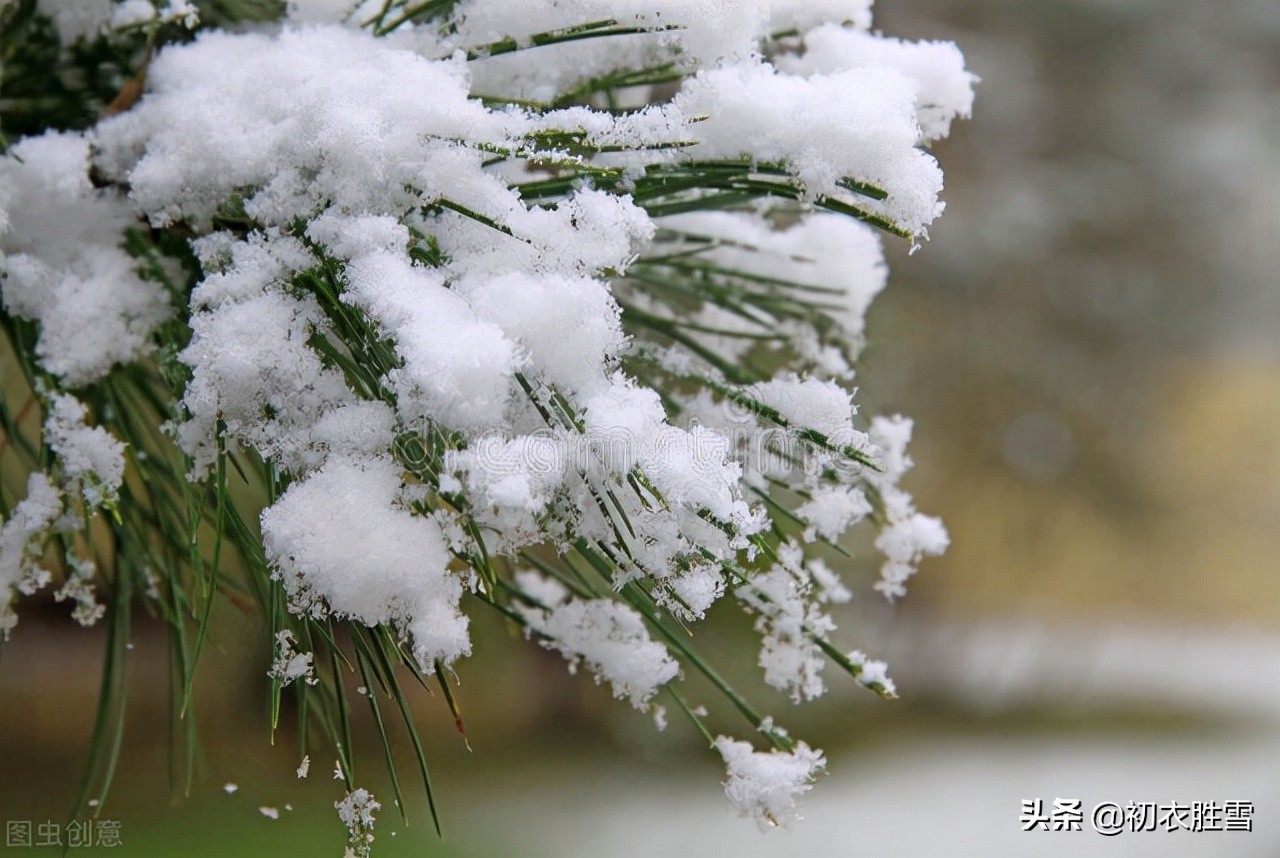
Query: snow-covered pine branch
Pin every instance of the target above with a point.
(554, 313)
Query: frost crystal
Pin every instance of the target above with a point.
(907, 535)
(790, 623)
(873, 674)
(610, 637)
(764, 785)
(79, 589)
(291, 665)
(91, 458)
(356, 812)
(21, 545)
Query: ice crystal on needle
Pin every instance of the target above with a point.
(357, 813)
(763, 785)
(555, 313)
(20, 546)
(609, 636)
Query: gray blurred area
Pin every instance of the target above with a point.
(1090, 346)
(1090, 341)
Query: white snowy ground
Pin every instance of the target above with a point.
(950, 796)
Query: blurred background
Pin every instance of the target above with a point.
(1089, 346)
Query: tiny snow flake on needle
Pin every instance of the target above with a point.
(764, 785)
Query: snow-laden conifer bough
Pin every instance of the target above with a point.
(383, 315)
